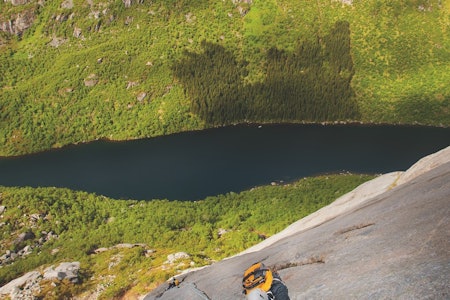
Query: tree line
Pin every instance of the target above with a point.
(312, 83)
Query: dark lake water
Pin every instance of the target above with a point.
(191, 166)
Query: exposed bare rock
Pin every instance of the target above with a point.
(10, 256)
(388, 239)
(28, 285)
(424, 165)
(235, 2)
(171, 258)
(141, 96)
(127, 3)
(100, 250)
(67, 4)
(24, 236)
(128, 245)
(190, 17)
(16, 24)
(65, 270)
(77, 33)
(346, 202)
(243, 9)
(132, 84)
(22, 287)
(57, 41)
(345, 2)
(119, 246)
(222, 231)
(91, 80)
(128, 20)
(18, 2)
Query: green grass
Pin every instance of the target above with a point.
(400, 62)
(85, 222)
(400, 55)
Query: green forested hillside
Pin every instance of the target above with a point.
(207, 230)
(76, 70)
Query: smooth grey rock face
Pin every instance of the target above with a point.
(394, 245)
(65, 270)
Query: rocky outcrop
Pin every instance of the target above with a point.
(23, 250)
(24, 287)
(28, 285)
(128, 3)
(57, 41)
(18, 2)
(119, 246)
(388, 239)
(16, 24)
(172, 258)
(141, 96)
(65, 270)
(243, 6)
(24, 236)
(67, 4)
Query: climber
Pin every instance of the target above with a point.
(257, 294)
(174, 283)
(262, 283)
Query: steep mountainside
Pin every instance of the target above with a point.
(126, 247)
(78, 70)
(387, 239)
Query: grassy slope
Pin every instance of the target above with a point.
(401, 60)
(400, 54)
(85, 222)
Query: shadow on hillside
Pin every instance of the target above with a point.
(312, 83)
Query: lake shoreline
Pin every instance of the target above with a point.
(197, 164)
(254, 124)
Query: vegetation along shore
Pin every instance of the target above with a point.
(75, 71)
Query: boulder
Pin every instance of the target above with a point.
(24, 236)
(171, 258)
(100, 250)
(66, 270)
(36, 217)
(141, 96)
(28, 285)
(57, 41)
(77, 32)
(27, 282)
(67, 4)
(221, 232)
(18, 23)
(126, 245)
(127, 3)
(18, 2)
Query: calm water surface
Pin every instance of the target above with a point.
(191, 166)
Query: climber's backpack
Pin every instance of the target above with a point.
(257, 276)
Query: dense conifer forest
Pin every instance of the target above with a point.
(311, 84)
